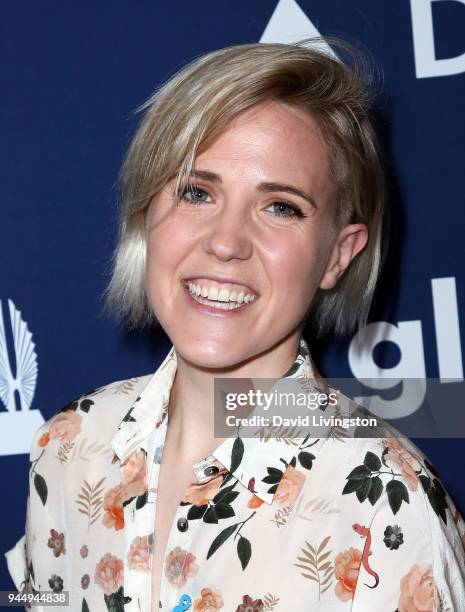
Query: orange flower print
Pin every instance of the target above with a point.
(134, 475)
(254, 502)
(404, 460)
(346, 568)
(139, 554)
(56, 542)
(109, 573)
(290, 486)
(179, 566)
(203, 493)
(66, 425)
(44, 439)
(113, 508)
(209, 601)
(418, 592)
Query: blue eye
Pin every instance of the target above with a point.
(193, 194)
(282, 209)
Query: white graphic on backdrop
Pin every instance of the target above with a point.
(19, 423)
(423, 43)
(288, 24)
(408, 336)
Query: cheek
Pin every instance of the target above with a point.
(293, 265)
(168, 244)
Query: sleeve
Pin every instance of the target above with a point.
(36, 562)
(413, 559)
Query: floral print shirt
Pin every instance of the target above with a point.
(271, 523)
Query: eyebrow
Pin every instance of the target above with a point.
(265, 187)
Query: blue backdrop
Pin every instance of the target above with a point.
(71, 74)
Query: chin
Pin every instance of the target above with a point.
(209, 355)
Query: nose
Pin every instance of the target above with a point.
(227, 234)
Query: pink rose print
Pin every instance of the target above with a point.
(109, 573)
(209, 601)
(289, 487)
(418, 592)
(134, 475)
(404, 460)
(346, 568)
(179, 566)
(66, 425)
(139, 554)
(113, 507)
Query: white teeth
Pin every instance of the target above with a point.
(219, 305)
(213, 293)
(221, 298)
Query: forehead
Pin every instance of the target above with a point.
(273, 139)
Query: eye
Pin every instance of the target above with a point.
(193, 194)
(283, 209)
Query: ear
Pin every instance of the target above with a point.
(349, 242)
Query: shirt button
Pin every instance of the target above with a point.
(210, 470)
(183, 523)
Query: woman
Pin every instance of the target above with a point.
(252, 201)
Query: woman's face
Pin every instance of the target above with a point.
(233, 266)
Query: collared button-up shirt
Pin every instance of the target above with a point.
(269, 523)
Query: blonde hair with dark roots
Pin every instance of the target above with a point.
(194, 106)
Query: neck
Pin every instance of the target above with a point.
(191, 399)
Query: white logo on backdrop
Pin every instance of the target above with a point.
(423, 43)
(19, 423)
(289, 24)
(408, 336)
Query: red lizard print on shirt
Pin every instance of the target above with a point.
(364, 532)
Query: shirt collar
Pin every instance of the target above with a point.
(149, 409)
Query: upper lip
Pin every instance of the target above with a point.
(221, 279)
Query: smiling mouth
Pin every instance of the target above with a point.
(220, 296)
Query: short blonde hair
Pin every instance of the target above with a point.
(193, 107)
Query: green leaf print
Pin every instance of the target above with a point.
(372, 462)
(141, 500)
(436, 496)
(196, 512)
(351, 486)
(210, 515)
(84, 607)
(244, 551)
(86, 404)
(237, 454)
(221, 539)
(224, 510)
(41, 487)
(375, 490)
(306, 460)
(396, 492)
(274, 476)
(226, 496)
(363, 490)
(115, 602)
(359, 473)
